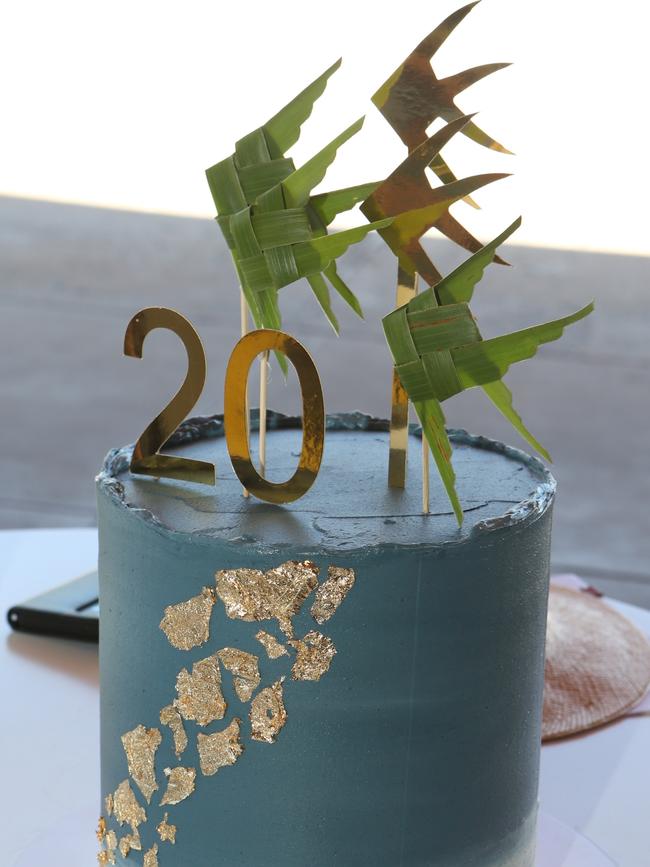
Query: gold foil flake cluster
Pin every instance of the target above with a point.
(126, 808)
(166, 832)
(187, 624)
(331, 593)
(140, 746)
(170, 716)
(151, 857)
(249, 595)
(220, 749)
(180, 785)
(278, 594)
(108, 842)
(314, 655)
(245, 667)
(268, 714)
(274, 650)
(199, 693)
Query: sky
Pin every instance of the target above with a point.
(124, 104)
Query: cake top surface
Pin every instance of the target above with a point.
(349, 506)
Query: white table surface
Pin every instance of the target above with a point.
(598, 783)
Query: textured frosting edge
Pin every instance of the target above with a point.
(209, 427)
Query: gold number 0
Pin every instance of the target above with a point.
(313, 414)
(146, 460)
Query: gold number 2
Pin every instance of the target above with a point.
(313, 415)
(146, 458)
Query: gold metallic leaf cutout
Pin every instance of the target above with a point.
(268, 714)
(140, 746)
(314, 656)
(151, 857)
(170, 716)
(187, 624)
(245, 667)
(199, 694)
(274, 650)
(166, 832)
(331, 593)
(180, 785)
(126, 807)
(249, 594)
(219, 750)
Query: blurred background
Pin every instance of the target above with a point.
(112, 113)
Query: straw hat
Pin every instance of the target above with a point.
(597, 664)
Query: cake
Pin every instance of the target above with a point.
(344, 669)
(341, 680)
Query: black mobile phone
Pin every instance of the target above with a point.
(68, 611)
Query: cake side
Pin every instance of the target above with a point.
(415, 742)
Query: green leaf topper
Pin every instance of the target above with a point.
(438, 352)
(275, 229)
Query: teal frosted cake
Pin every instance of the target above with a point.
(342, 680)
(341, 672)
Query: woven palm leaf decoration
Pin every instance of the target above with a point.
(416, 206)
(413, 97)
(275, 230)
(438, 352)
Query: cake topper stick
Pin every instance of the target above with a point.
(425, 475)
(399, 410)
(243, 315)
(264, 378)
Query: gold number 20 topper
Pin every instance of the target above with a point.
(147, 460)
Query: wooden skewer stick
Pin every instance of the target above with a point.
(243, 315)
(264, 379)
(407, 288)
(425, 475)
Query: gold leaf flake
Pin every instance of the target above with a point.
(219, 749)
(151, 857)
(314, 657)
(248, 594)
(180, 785)
(274, 649)
(101, 829)
(199, 693)
(140, 746)
(267, 713)
(245, 667)
(111, 840)
(166, 831)
(128, 842)
(170, 716)
(332, 592)
(126, 807)
(108, 803)
(187, 624)
(102, 857)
